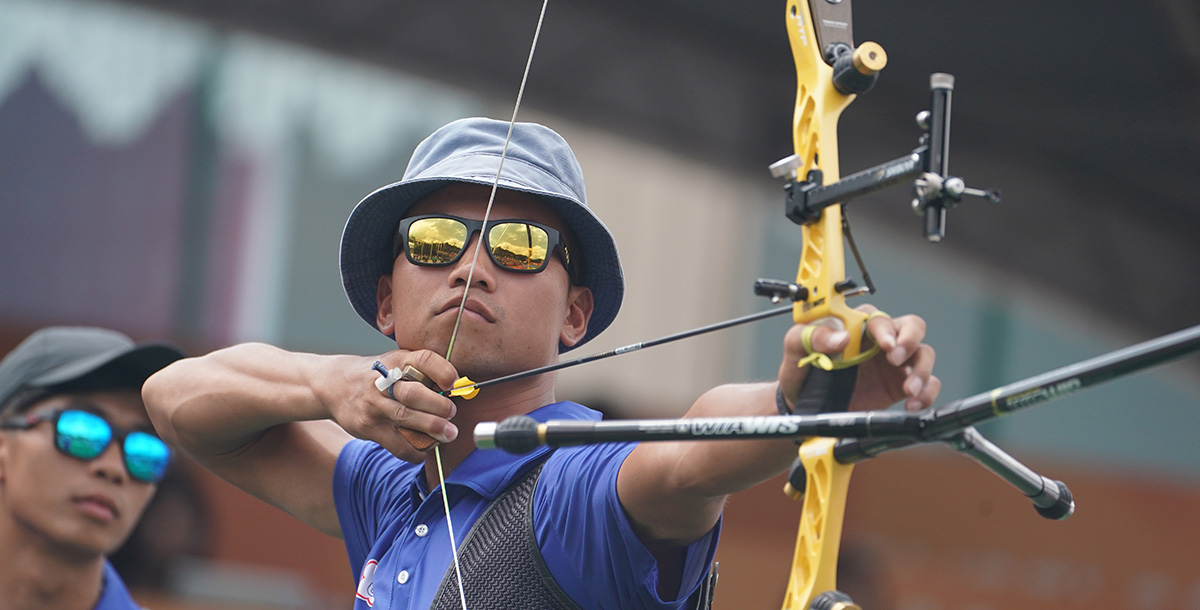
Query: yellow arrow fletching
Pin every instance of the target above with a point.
(464, 388)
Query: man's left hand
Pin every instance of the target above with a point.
(902, 370)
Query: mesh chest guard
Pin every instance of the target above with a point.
(502, 568)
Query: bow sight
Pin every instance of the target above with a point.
(852, 70)
(934, 189)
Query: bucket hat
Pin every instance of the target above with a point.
(538, 162)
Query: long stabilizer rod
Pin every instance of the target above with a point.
(869, 433)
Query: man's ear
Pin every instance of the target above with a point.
(384, 319)
(579, 310)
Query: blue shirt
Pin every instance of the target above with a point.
(398, 541)
(114, 596)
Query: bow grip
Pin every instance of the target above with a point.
(852, 321)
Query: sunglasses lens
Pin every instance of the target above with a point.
(81, 434)
(519, 246)
(436, 241)
(146, 456)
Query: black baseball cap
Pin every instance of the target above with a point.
(61, 354)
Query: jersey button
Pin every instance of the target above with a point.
(402, 577)
(422, 530)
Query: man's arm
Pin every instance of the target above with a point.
(674, 492)
(273, 422)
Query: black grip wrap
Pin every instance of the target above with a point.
(822, 392)
(517, 434)
(797, 477)
(1061, 509)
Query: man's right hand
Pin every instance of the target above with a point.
(356, 404)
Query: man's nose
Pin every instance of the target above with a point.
(110, 464)
(484, 272)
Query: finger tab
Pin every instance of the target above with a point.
(412, 373)
(419, 440)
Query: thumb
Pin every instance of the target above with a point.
(829, 341)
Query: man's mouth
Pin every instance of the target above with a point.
(97, 506)
(472, 307)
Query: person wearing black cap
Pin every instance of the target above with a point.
(79, 462)
(601, 526)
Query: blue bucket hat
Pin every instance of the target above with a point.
(538, 162)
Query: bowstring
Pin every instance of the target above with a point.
(512, 122)
(470, 274)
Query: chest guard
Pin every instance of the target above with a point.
(502, 568)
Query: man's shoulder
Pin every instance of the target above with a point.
(362, 460)
(593, 467)
(364, 452)
(565, 409)
(115, 596)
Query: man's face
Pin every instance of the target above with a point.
(79, 507)
(512, 321)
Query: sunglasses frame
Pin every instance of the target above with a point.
(556, 239)
(117, 435)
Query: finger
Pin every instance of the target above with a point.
(420, 429)
(882, 328)
(824, 339)
(909, 333)
(791, 375)
(793, 346)
(416, 407)
(429, 363)
(918, 370)
(435, 366)
(403, 421)
(926, 398)
(922, 363)
(910, 330)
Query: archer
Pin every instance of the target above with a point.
(617, 525)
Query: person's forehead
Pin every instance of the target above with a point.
(123, 408)
(470, 201)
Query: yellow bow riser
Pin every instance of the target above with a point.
(814, 565)
(819, 105)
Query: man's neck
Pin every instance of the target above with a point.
(492, 405)
(33, 576)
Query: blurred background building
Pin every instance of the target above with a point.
(182, 170)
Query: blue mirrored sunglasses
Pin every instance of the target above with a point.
(85, 435)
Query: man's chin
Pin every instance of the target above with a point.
(480, 368)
